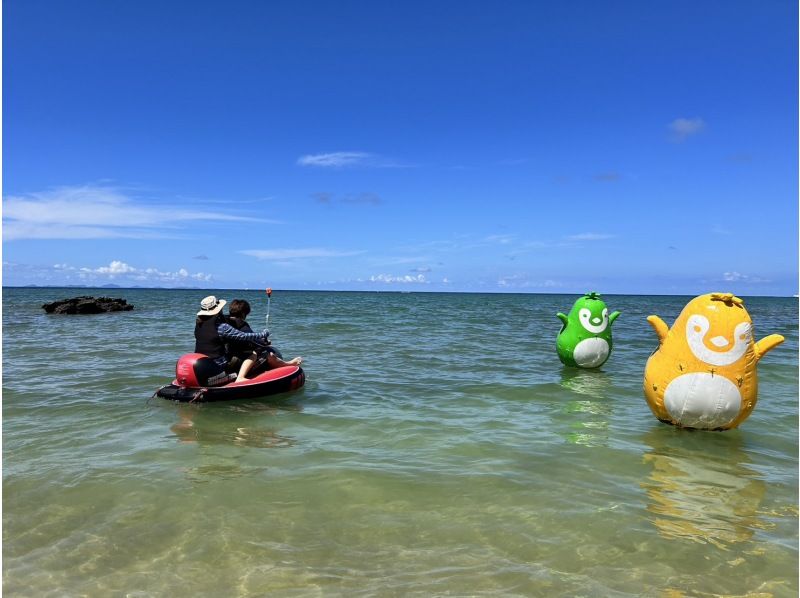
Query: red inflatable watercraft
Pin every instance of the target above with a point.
(199, 379)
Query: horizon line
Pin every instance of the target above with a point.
(398, 291)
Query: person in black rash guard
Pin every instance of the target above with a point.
(241, 349)
(212, 331)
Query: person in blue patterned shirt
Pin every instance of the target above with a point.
(241, 350)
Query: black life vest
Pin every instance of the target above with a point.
(207, 340)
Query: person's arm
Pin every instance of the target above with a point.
(264, 333)
(229, 333)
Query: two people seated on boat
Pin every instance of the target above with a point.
(229, 340)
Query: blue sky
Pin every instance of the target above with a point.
(517, 146)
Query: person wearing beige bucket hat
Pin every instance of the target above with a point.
(213, 330)
(211, 306)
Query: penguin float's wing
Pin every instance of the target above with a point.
(766, 344)
(659, 326)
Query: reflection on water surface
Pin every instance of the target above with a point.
(707, 496)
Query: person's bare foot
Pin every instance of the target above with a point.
(296, 361)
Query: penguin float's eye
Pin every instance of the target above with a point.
(597, 324)
(697, 328)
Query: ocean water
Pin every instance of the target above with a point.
(438, 448)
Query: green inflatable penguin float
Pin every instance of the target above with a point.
(585, 337)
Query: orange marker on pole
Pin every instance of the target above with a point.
(269, 296)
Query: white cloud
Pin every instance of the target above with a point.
(739, 277)
(365, 198)
(348, 160)
(407, 279)
(682, 128)
(590, 237)
(500, 239)
(383, 262)
(95, 212)
(115, 268)
(118, 269)
(335, 159)
(290, 254)
(516, 281)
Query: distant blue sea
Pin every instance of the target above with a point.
(439, 447)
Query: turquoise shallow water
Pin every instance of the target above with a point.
(438, 448)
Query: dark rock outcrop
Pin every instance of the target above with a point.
(87, 305)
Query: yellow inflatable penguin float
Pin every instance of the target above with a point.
(703, 374)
